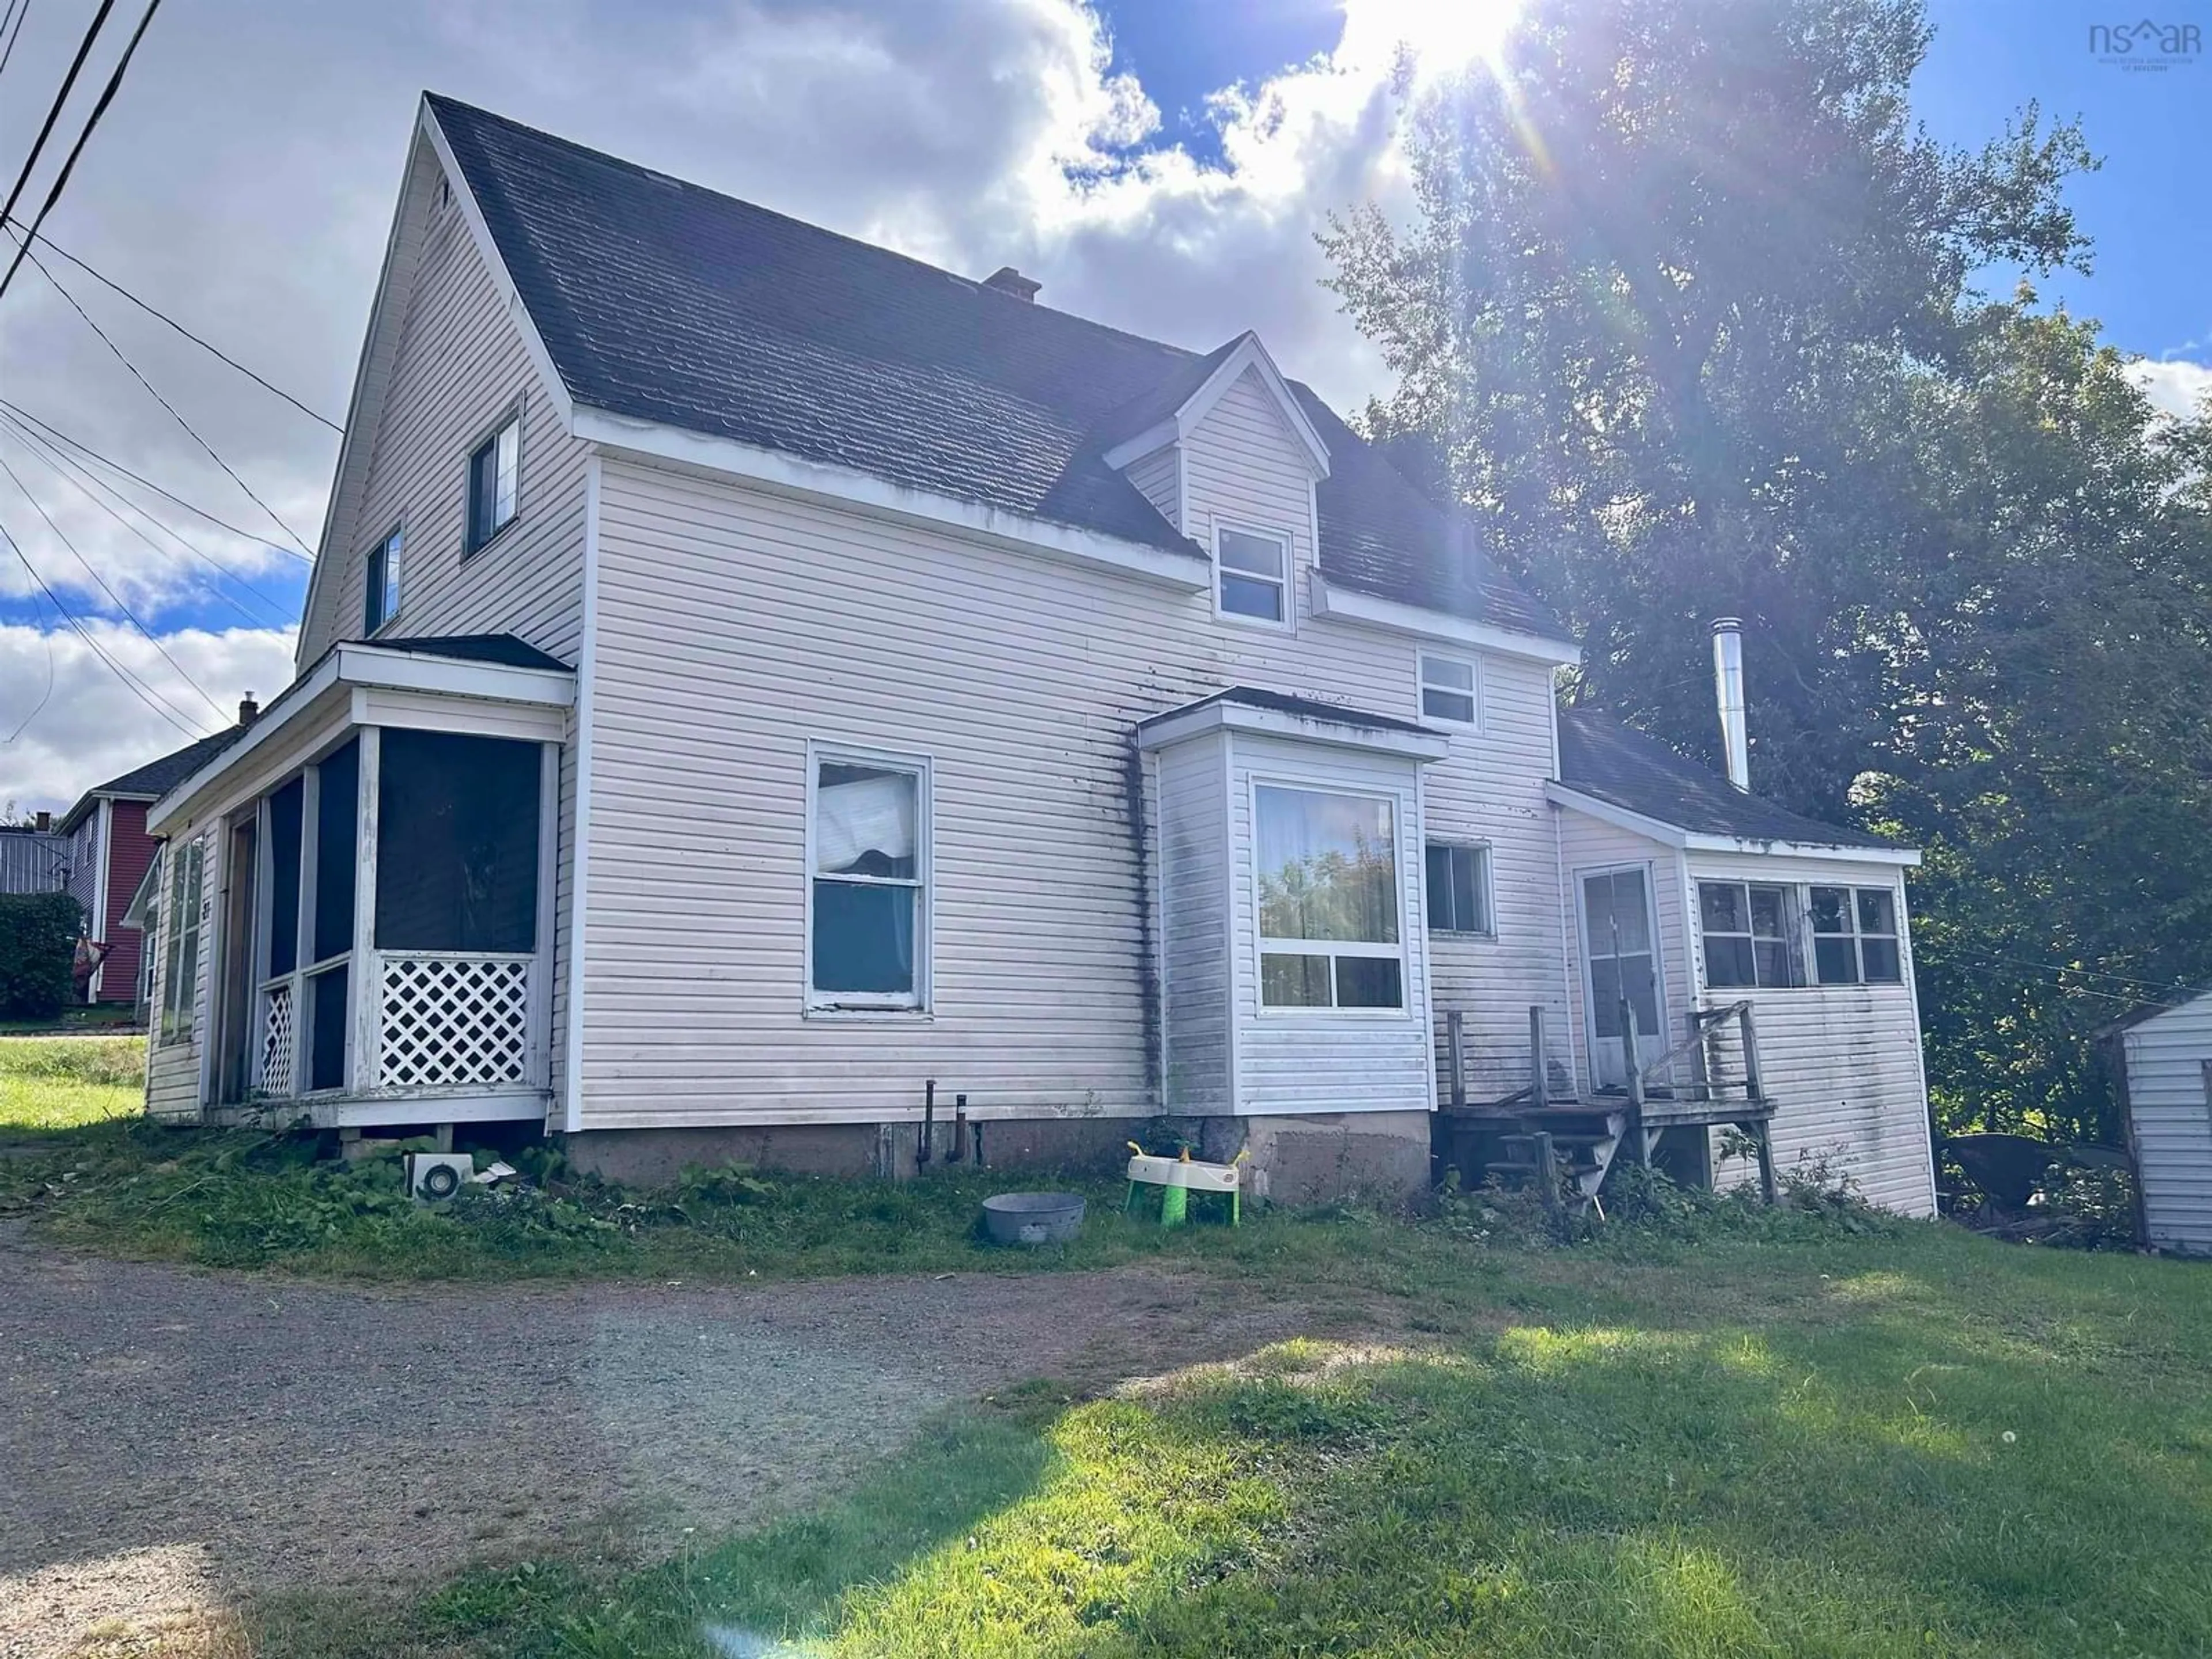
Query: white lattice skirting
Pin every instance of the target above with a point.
(449, 1019)
(277, 1025)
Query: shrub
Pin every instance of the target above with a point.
(38, 944)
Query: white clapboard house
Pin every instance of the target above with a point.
(751, 676)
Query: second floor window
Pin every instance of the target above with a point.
(1448, 690)
(382, 603)
(1254, 575)
(492, 471)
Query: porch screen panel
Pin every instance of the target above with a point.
(284, 871)
(337, 827)
(326, 1028)
(457, 843)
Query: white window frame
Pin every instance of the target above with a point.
(511, 418)
(1472, 693)
(1489, 885)
(180, 1010)
(1793, 907)
(1287, 623)
(393, 547)
(1264, 947)
(849, 1005)
(1853, 933)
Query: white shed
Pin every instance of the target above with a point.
(2165, 1057)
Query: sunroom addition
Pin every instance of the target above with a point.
(381, 949)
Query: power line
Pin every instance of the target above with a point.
(74, 473)
(117, 599)
(19, 17)
(143, 693)
(2152, 985)
(69, 163)
(61, 98)
(25, 248)
(163, 316)
(90, 454)
(46, 698)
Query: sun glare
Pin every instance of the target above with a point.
(1444, 36)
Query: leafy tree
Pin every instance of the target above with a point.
(1687, 317)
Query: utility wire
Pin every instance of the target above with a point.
(190, 431)
(19, 16)
(61, 98)
(52, 247)
(46, 698)
(136, 689)
(116, 467)
(73, 473)
(2059, 985)
(2150, 985)
(68, 164)
(117, 599)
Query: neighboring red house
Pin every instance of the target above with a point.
(109, 852)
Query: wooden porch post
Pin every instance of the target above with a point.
(363, 980)
(1455, 1048)
(1540, 1081)
(1765, 1159)
(1635, 1083)
(549, 868)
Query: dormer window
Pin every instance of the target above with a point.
(1252, 574)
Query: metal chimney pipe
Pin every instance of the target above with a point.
(1727, 684)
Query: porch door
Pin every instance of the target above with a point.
(1620, 960)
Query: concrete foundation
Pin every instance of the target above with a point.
(1380, 1158)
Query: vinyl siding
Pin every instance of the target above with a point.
(31, 862)
(1841, 1062)
(2172, 1118)
(172, 1069)
(1587, 844)
(735, 625)
(1242, 468)
(1159, 476)
(130, 849)
(85, 853)
(1192, 850)
(1301, 1060)
(458, 364)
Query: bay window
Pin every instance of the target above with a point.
(1327, 900)
(868, 892)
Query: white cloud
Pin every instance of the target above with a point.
(82, 724)
(2175, 385)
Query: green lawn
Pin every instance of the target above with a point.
(1723, 1432)
(62, 1082)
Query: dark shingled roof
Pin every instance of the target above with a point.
(156, 778)
(1282, 703)
(665, 302)
(502, 650)
(1601, 758)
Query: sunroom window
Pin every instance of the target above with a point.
(1855, 936)
(1746, 930)
(869, 897)
(180, 936)
(1328, 905)
(1254, 574)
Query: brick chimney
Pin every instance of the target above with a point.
(1006, 280)
(43, 823)
(248, 710)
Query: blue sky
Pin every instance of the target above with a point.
(246, 179)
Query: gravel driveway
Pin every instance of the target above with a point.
(171, 1440)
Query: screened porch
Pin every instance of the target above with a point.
(380, 949)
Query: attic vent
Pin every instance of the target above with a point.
(1007, 280)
